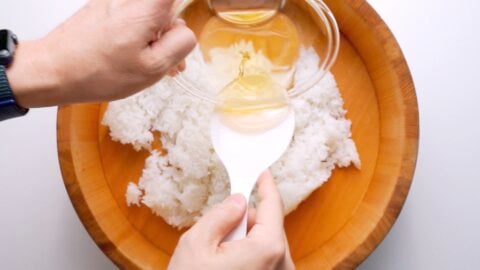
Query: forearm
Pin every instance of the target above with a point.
(106, 51)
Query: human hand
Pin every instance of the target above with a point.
(108, 50)
(264, 248)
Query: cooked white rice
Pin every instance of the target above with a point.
(190, 179)
(133, 195)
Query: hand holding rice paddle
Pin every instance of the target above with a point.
(265, 246)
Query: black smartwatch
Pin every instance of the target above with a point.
(8, 106)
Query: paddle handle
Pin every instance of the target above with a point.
(241, 184)
(240, 232)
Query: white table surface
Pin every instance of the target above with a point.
(437, 229)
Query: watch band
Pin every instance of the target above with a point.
(8, 105)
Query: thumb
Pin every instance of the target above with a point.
(220, 220)
(171, 48)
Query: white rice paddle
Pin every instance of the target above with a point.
(246, 156)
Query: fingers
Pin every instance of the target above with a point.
(170, 49)
(287, 263)
(163, 12)
(212, 228)
(252, 212)
(269, 214)
(267, 239)
(182, 66)
(179, 68)
(177, 22)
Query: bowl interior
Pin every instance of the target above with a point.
(318, 218)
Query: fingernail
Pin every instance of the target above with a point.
(237, 200)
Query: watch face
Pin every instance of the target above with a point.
(4, 40)
(7, 47)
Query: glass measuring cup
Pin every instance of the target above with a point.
(312, 20)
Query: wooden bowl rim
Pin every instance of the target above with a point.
(400, 192)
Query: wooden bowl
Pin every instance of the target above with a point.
(337, 227)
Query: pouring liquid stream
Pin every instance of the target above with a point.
(252, 103)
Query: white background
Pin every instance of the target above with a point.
(437, 229)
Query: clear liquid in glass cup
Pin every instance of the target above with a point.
(261, 40)
(245, 12)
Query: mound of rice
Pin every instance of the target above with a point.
(185, 183)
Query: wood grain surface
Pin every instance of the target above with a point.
(337, 227)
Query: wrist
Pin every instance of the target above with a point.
(32, 76)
